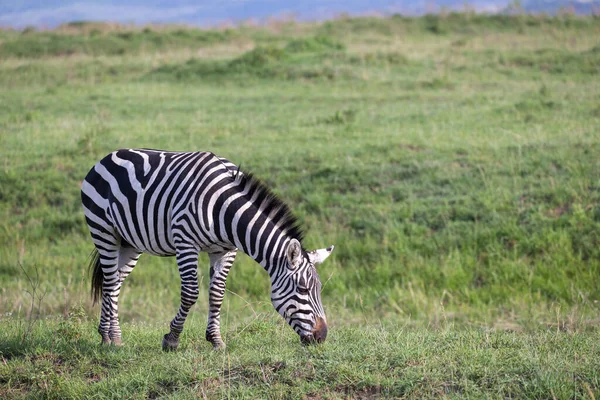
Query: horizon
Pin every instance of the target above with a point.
(50, 14)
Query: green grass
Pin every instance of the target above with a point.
(62, 359)
(452, 160)
(96, 42)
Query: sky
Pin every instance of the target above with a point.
(49, 13)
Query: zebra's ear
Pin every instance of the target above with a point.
(294, 252)
(316, 257)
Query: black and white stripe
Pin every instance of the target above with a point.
(181, 203)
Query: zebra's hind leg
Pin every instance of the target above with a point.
(116, 262)
(220, 264)
(107, 260)
(128, 257)
(187, 261)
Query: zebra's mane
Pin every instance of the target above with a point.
(270, 204)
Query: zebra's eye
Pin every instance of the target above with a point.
(302, 290)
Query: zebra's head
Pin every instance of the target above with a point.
(296, 292)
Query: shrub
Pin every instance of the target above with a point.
(258, 57)
(314, 44)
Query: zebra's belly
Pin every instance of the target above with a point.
(146, 246)
(161, 251)
(142, 233)
(157, 239)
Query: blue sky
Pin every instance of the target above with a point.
(48, 13)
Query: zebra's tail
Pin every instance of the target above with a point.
(97, 275)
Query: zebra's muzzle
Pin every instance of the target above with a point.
(318, 335)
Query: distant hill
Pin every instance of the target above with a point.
(49, 13)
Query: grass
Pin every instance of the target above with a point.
(63, 360)
(96, 42)
(451, 159)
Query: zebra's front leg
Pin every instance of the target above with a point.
(187, 261)
(220, 264)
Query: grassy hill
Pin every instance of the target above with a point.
(452, 160)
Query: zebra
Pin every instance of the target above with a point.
(180, 204)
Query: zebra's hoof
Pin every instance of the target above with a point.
(117, 342)
(105, 341)
(218, 345)
(169, 344)
(215, 340)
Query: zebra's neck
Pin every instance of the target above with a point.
(238, 210)
(236, 221)
(262, 240)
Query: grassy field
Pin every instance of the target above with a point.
(452, 160)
